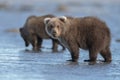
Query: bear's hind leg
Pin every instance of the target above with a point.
(40, 40)
(106, 54)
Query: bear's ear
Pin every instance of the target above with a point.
(46, 20)
(63, 18)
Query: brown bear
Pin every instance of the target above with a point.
(89, 33)
(33, 32)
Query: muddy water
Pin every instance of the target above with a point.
(20, 63)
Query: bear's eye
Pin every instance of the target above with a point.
(51, 26)
(58, 26)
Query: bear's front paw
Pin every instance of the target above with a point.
(90, 62)
(73, 60)
(36, 50)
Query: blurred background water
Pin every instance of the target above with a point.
(18, 64)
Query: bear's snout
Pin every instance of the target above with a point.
(54, 33)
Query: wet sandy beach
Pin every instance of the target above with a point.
(20, 63)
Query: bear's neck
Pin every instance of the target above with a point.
(71, 29)
(63, 42)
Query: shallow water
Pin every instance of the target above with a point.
(20, 63)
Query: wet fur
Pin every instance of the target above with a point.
(88, 33)
(33, 32)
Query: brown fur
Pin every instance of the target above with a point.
(88, 33)
(33, 32)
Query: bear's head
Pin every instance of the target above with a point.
(55, 26)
